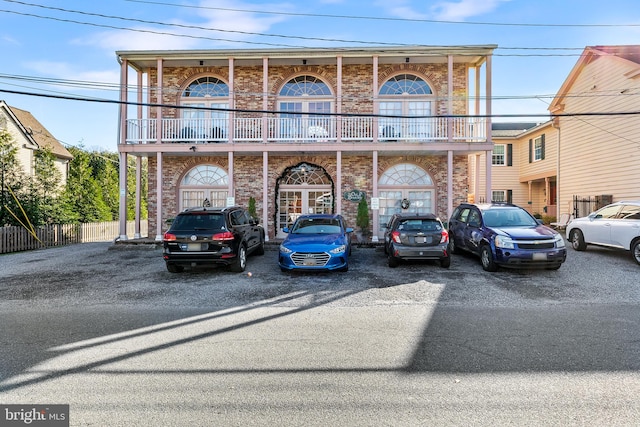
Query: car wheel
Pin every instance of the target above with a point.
(172, 268)
(486, 258)
(445, 262)
(241, 260)
(393, 261)
(452, 246)
(577, 240)
(635, 250)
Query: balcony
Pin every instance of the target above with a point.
(283, 130)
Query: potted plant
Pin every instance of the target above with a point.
(362, 219)
(252, 207)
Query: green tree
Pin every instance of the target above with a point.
(83, 191)
(12, 179)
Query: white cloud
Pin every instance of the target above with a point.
(463, 9)
(67, 71)
(231, 24)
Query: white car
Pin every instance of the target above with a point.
(615, 226)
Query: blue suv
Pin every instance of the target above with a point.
(505, 235)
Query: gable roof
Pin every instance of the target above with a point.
(36, 132)
(629, 53)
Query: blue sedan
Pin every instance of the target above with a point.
(316, 242)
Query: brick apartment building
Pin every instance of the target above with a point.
(306, 130)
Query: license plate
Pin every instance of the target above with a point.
(309, 262)
(194, 247)
(539, 257)
(421, 239)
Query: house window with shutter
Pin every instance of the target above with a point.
(538, 148)
(498, 157)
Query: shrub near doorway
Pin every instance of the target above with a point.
(362, 220)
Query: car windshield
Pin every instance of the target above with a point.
(423, 225)
(198, 222)
(508, 218)
(316, 226)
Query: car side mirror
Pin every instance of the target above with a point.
(539, 221)
(349, 230)
(285, 230)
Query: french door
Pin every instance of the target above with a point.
(293, 202)
(419, 201)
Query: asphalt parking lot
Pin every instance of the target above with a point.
(104, 273)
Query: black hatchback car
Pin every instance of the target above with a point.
(412, 236)
(212, 236)
(506, 235)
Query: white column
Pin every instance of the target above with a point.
(265, 193)
(449, 184)
(338, 126)
(230, 172)
(122, 208)
(374, 178)
(232, 102)
(338, 182)
(159, 197)
(265, 99)
(138, 196)
(488, 131)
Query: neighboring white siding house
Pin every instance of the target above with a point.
(30, 135)
(599, 126)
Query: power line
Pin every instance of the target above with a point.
(378, 18)
(241, 110)
(200, 28)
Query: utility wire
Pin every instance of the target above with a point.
(377, 18)
(241, 110)
(200, 28)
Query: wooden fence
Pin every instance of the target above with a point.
(16, 239)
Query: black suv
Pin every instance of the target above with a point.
(412, 236)
(206, 236)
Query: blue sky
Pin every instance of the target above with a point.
(72, 44)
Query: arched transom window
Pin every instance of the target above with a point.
(206, 87)
(209, 119)
(405, 84)
(306, 174)
(405, 95)
(204, 185)
(303, 100)
(405, 174)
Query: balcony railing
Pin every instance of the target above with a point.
(306, 129)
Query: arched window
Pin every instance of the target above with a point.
(204, 185)
(401, 185)
(405, 84)
(206, 87)
(405, 95)
(303, 100)
(405, 174)
(208, 120)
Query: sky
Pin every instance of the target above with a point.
(66, 48)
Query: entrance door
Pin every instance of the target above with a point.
(420, 201)
(294, 202)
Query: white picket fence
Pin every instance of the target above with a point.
(16, 239)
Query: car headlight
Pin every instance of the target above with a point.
(559, 241)
(340, 249)
(504, 242)
(285, 250)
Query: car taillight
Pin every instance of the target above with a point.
(395, 236)
(169, 237)
(445, 237)
(227, 235)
